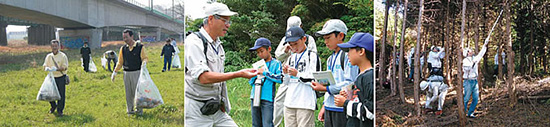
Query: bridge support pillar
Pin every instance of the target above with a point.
(3, 35)
(75, 38)
(40, 34)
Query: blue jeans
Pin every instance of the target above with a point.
(470, 88)
(262, 116)
(167, 60)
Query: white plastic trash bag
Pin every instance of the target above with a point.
(48, 91)
(147, 94)
(92, 67)
(103, 62)
(176, 61)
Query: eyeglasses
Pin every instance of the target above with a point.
(226, 21)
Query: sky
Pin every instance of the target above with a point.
(194, 8)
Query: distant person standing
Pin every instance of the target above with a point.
(85, 52)
(167, 52)
(110, 55)
(57, 63)
(131, 56)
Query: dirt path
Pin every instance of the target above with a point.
(492, 110)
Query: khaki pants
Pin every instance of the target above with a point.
(194, 117)
(279, 105)
(130, 83)
(295, 117)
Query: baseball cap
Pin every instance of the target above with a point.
(293, 21)
(331, 26)
(293, 34)
(218, 9)
(260, 42)
(359, 39)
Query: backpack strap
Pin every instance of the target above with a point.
(204, 43)
(342, 60)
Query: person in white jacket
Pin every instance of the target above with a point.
(437, 90)
(434, 61)
(469, 66)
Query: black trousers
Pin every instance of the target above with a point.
(109, 64)
(86, 62)
(60, 104)
(335, 119)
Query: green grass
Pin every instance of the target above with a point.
(239, 96)
(91, 98)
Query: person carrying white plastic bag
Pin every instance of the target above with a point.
(48, 91)
(91, 67)
(147, 94)
(176, 63)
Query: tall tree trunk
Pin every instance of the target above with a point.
(448, 46)
(510, 79)
(532, 30)
(382, 70)
(394, 69)
(459, 95)
(417, 60)
(476, 42)
(402, 54)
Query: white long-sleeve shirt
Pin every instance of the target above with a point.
(471, 63)
(435, 58)
(300, 94)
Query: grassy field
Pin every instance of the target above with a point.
(239, 95)
(91, 98)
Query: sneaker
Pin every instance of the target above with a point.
(60, 114)
(139, 112)
(52, 110)
(439, 112)
(472, 116)
(163, 70)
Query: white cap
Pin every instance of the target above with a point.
(293, 21)
(331, 26)
(218, 9)
(423, 85)
(465, 52)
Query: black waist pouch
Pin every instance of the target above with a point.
(210, 107)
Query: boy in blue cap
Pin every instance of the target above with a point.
(360, 109)
(263, 114)
(300, 99)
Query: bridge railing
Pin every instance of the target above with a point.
(150, 8)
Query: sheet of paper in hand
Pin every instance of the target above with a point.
(260, 64)
(324, 77)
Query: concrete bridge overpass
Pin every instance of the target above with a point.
(85, 20)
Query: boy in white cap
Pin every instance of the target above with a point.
(360, 109)
(282, 53)
(334, 32)
(206, 100)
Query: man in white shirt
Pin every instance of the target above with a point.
(434, 61)
(206, 99)
(469, 66)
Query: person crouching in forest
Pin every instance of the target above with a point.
(360, 108)
(469, 65)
